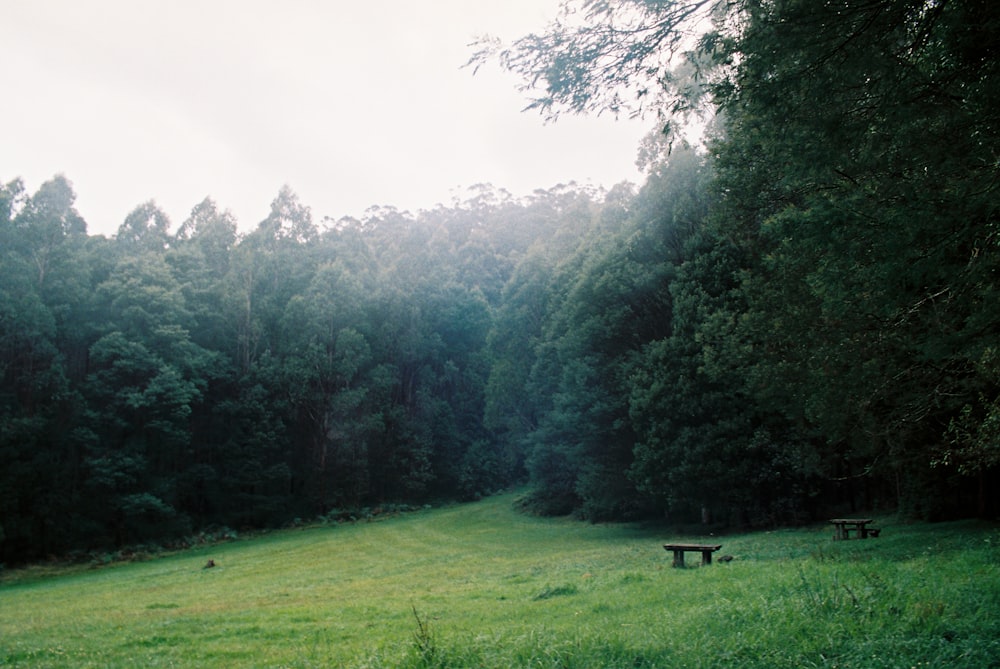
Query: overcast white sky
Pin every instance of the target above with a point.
(351, 103)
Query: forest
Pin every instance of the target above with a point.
(794, 318)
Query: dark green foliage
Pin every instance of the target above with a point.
(826, 322)
(158, 384)
(875, 248)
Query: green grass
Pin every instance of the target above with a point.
(483, 586)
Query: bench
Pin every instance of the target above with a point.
(857, 525)
(679, 549)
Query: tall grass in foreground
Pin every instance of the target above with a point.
(482, 586)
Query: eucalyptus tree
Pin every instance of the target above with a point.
(146, 228)
(146, 376)
(288, 219)
(199, 255)
(212, 232)
(325, 357)
(44, 284)
(46, 223)
(267, 268)
(49, 244)
(553, 392)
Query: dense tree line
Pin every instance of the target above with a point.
(798, 319)
(827, 331)
(165, 381)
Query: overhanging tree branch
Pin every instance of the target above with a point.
(618, 57)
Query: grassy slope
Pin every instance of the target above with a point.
(493, 588)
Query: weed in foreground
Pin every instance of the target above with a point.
(424, 643)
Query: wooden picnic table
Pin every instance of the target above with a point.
(705, 550)
(842, 528)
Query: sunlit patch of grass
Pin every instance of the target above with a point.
(483, 586)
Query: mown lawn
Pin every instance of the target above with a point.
(481, 585)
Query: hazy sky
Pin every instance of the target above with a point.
(350, 103)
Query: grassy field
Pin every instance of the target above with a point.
(480, 585)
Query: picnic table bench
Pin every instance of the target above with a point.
(859, 525)
(679, 549)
